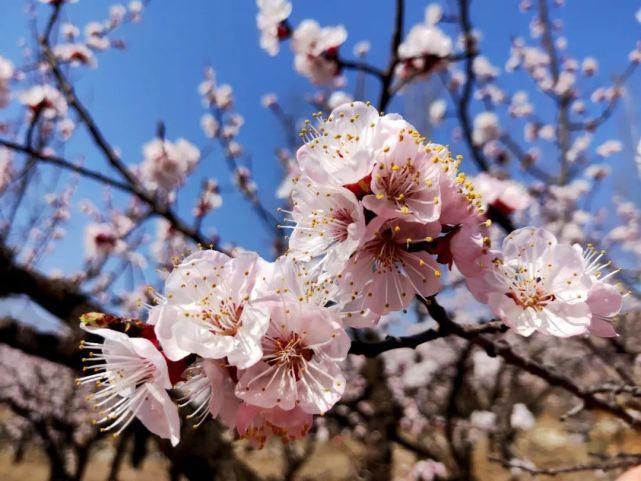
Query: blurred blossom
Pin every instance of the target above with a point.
(608, 148)
(316, 51)
(66, 128)
(506, 196)
(485, 367)
(486, 128)
(95, 36)
(520, 105)
(75, 54)
(269, 101)
(117, 14)
(597, 171)
(521, 417)
(437, 111)
(44, 100)
(214, 95)
(271, 20)
(6, 74)
(362, 48)
(427, 470)
(338, 98)
(210, 125)
(424, 48)
(244, 182)
(589, 66)
(6, 168)
(433, 14)
(483, 69)
(485, 420)
(166, 164)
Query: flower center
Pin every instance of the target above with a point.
(385, 251)
(399, 182)
(290, 353)
(224, 319)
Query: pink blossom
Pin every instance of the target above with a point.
(328, 224)
(133, 379)
(507, 196)
(604, 299)
(537, 284)
(300, 367)
(341, 149)
(405, 179)
(209, 389)
(383, 275)
(207, 312)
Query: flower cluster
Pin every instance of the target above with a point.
(377, 213)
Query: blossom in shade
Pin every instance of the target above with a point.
(316, 49)
(259, 424)
(206, 309)
(166, 164)
(208, 389)
(44, 100)
(301, 352)
(427, 470)
(272, 23)
(133, 380)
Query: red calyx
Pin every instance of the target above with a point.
(175, 369)
(361, 188)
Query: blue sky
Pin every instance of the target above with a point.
(157, 76)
